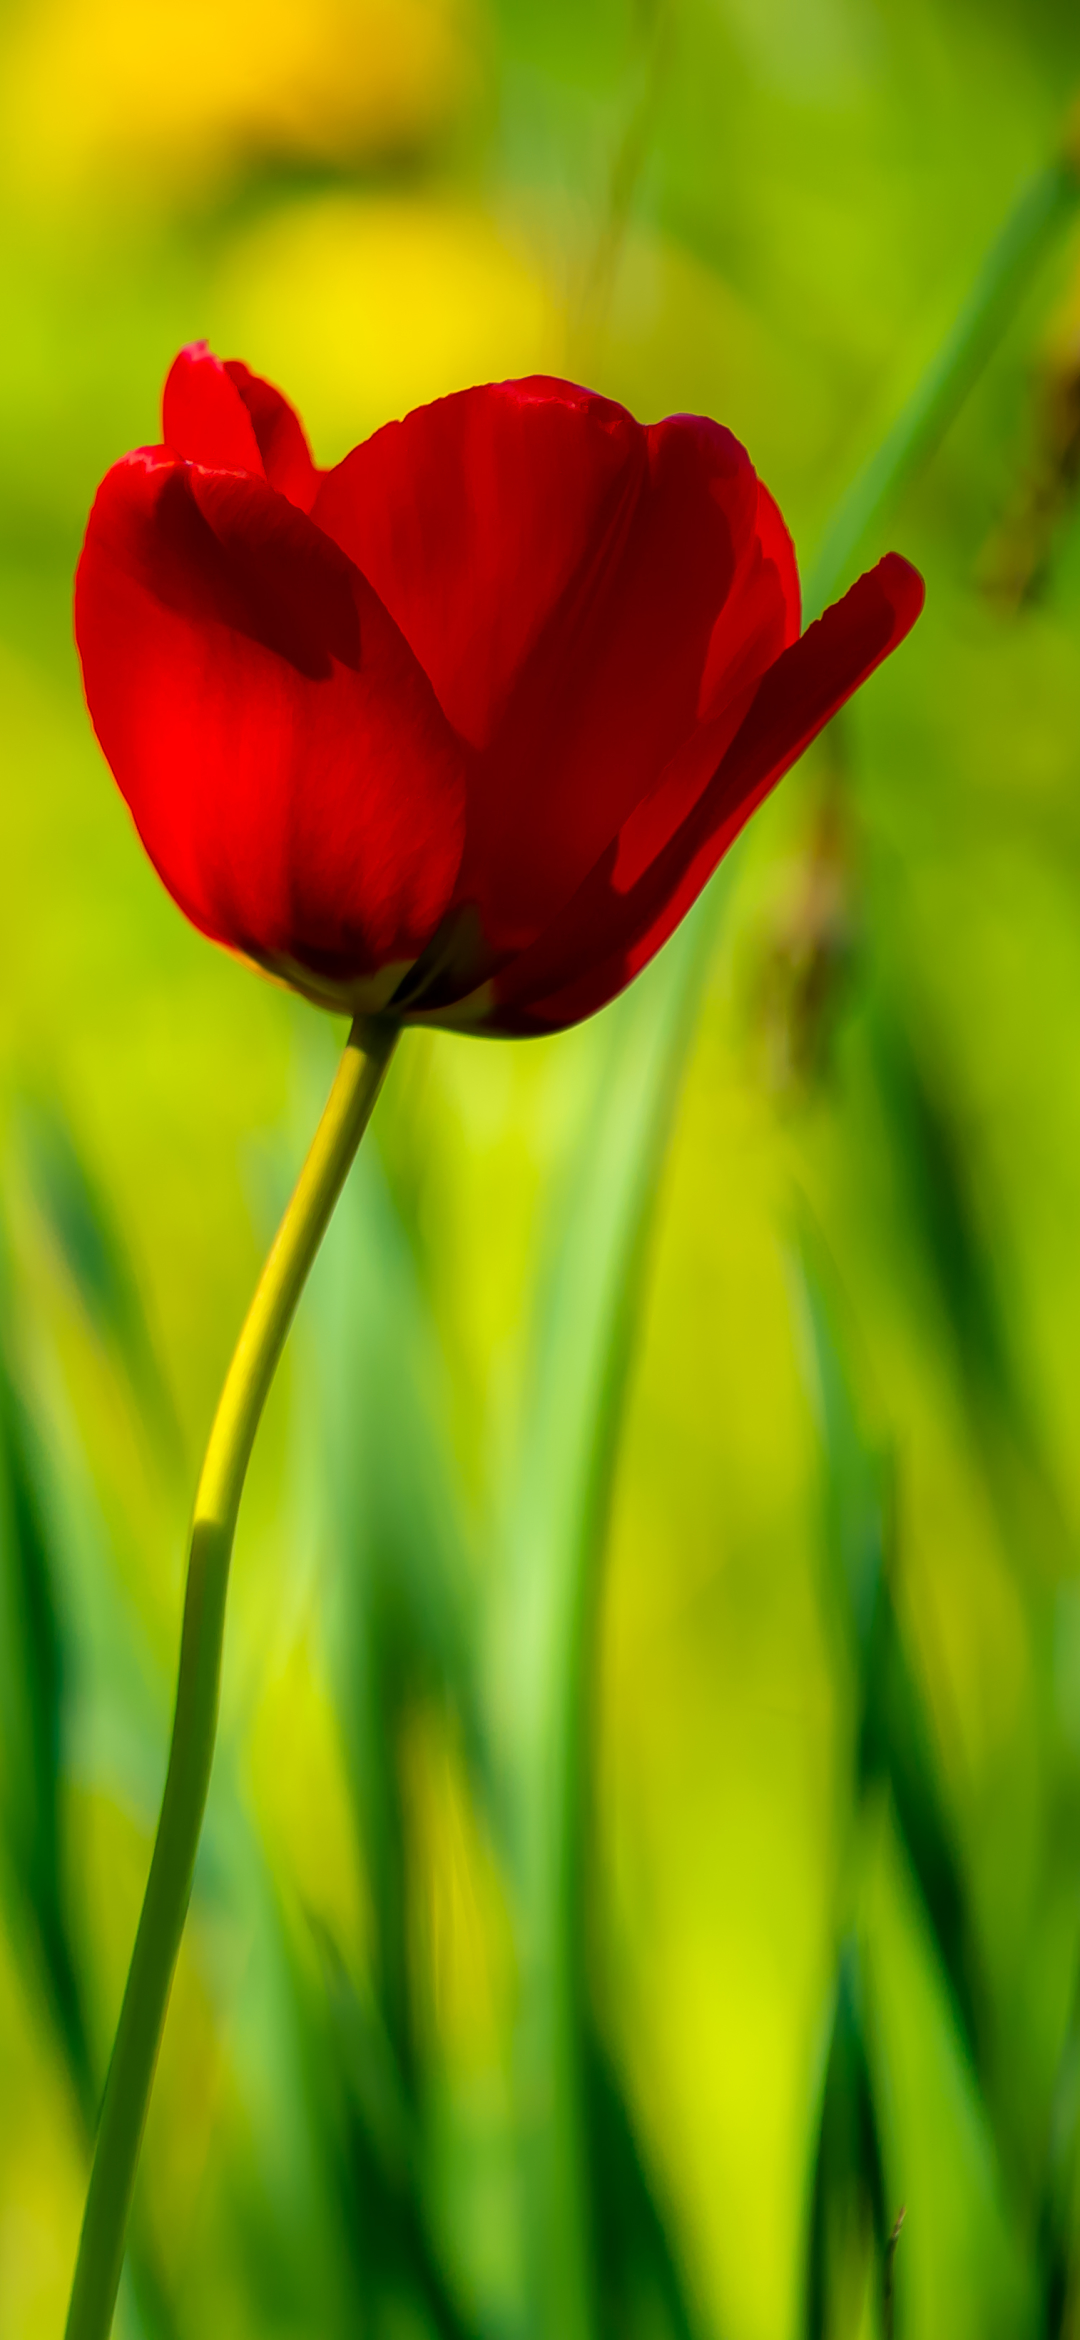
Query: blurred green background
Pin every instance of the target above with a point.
(644, 1850)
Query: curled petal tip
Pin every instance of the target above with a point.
(904, 585)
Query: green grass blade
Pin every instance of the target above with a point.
(896, 1746)
(1045, 209)
(640, 2286)
(402, 1602)
(31, 1715)
(379, 2162)
(90, 1242)
(847, 2212)
(892, 1741)
(856, 1474)
(35, 1705)
(928, 1147)
(591, 1286)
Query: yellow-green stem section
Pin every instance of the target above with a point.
(142, 2017)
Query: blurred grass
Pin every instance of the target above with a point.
(816, 1867)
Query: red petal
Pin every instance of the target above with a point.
(580, 592)
(283, 756)
(229, 419)
(638, 893)
(282, 445)
(479, 515)
(204, 418)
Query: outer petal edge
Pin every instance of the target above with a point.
(605, 938)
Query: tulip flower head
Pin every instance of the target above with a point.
(456, 731)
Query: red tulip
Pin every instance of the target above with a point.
(459, 729)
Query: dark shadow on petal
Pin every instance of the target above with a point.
(458, 959)
(226, 550)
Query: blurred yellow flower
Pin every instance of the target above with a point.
(96, 90)
(369, 306)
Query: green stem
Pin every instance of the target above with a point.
(142, 2016)
(1044, 209)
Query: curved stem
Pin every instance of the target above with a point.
(142, 2016)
